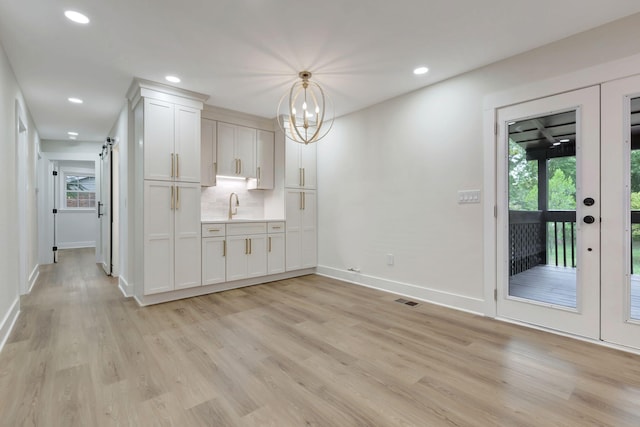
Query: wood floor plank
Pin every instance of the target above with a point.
(308, 351)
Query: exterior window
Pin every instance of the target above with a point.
(80, 191)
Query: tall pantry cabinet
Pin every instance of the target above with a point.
(300, 205)
(167, 232)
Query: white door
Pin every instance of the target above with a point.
(621, 212)
(187, 144)
(159, 155)
(309, 241)
(187, 240)
(213, 260)
(237, 251)
(549, 212)
(245, 149)
(257, 259)
(159, 205)
(104, 210)
(275, 253)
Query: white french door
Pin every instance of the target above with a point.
(548, 226)
(621, 212)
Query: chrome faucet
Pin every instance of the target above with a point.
(233, 211)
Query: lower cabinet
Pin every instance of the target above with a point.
(214, 252)
(172, 236)
(301, 241)
(275, 248)
(246, 250)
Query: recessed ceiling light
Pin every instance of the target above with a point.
(565, 140)
(420, 70)
(73, 133)
(76, 17)
(76, 100)
(557, 143)
(173, 79)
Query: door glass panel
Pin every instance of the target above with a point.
(634, 299)
(542, 209)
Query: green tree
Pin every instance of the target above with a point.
(562, 191)
(523, 180)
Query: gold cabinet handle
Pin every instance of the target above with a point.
(224, 248)
(300, 176)
(172, 199)
(250, 247)
(304, 200)
(301, 201)
(214, 230)
(177, 166)
(258, 173)
(303, 177)
(246, 246)
(173, 164)
(240, 166)
(215, 172)
(276, 227)
(269, 244)
(177, 197)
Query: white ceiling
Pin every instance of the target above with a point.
(244, 54)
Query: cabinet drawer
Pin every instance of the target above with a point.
(275, 227)
(213, 230)
(246, 228)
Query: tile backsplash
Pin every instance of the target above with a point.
(214, 201)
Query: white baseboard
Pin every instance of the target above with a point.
(9, 321)
(144, 300)
(434, 296)
(77, 245)
(125, 288)
(33, 278)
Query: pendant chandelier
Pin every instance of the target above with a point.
(305, 114)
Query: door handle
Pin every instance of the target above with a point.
(100, 209)
(177, 166)
(589, 219)
(589, 201)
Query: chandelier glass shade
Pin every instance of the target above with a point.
(305, 113)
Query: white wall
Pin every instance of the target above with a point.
(10, 94)
(389, 175)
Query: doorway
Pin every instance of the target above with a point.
(569, 222)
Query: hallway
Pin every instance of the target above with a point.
(307, 351)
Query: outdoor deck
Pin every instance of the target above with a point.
(556, 285)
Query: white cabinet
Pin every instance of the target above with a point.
(236, 150)
(300, 165)
(208, 152)
(246, 250)
(172, 242)
(171, 141)
(275, 248)
(265, 147)
(214, 252)
(301, 234)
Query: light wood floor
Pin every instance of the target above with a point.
(301, 352)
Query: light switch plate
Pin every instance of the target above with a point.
(468, 196)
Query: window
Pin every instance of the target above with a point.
(80, 191)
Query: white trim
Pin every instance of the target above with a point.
(77, 245)
(125, 287)
(8, 322)
(209, 289)
(33, 278)
(446, 299)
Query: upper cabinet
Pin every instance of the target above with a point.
(236, 150)
(300, 165)
(208, 153)
(171, 135)
(264, 161)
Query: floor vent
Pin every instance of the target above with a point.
(407, 302)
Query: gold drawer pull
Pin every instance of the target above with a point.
(214, 230)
